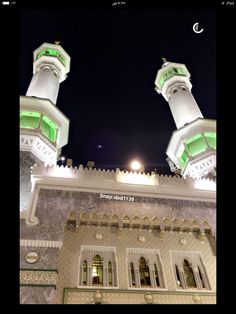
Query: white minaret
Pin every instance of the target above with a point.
(192, 148)
(51, 65)
(44, 128)
(177, 91)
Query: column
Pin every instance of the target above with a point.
(182, 277)
(40, 120)
(203, 136)
(90, 273)
(197, 278)
(187, 151)
(56, 136)
(160, 277)
(105, 279)
(136, 275)
(205, 280)
(130, 275)
(113, 275)
(152, 275)
(81, 275)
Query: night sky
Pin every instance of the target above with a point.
(115, 113)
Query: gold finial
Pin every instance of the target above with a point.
(57, 42)
(164, 60)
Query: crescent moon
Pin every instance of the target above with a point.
(195, 28)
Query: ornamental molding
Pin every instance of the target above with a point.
(95, 248)
(130, 183)
(32, 142)
(142, 251)
(38, 277)
(41, 243)
(183, 254)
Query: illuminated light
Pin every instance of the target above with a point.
(183, 159)
(135, 165)
(211, 139)
(48, 128)
(169, 73)
(135, 178)
(52, 53)
(205, 184)
(196, 144)
(63, 158)
(29, 119)
(62, 172)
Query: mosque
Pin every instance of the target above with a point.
(101, 236)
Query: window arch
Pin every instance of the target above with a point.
(97, 271)
(179, 283)
(189, 276)
(84, 272)
(175, 90)
(144, 273)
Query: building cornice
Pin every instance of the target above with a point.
(123, 182)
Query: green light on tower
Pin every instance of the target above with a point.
(51, 53)
(48, 128)
(169, 73)
(31, 120)
(196, 145)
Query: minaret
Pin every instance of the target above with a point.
(43, 127)
(192, 148)
(51, 65)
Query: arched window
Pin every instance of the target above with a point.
(156, 275)
(144, 272)
(110, 273)
(84, 272)
(132, 274)
(175, 90)
(202, 281)
(97, 271)
(189, 276)
(178, 277)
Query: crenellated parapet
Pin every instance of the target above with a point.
(119, 178)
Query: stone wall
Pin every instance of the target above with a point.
(53, 208)
(47, 258)
(37, 295)
(68, 264)
(27, 160)
(82, 296)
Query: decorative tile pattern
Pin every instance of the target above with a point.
(125, 297)
(68, 263)
(38, 277)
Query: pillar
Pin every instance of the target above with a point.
(137, 275)
(90, 273)
(105, 278)
(152, 275)
(182, 277)
(197, 278)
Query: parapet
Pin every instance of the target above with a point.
(145, 184)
